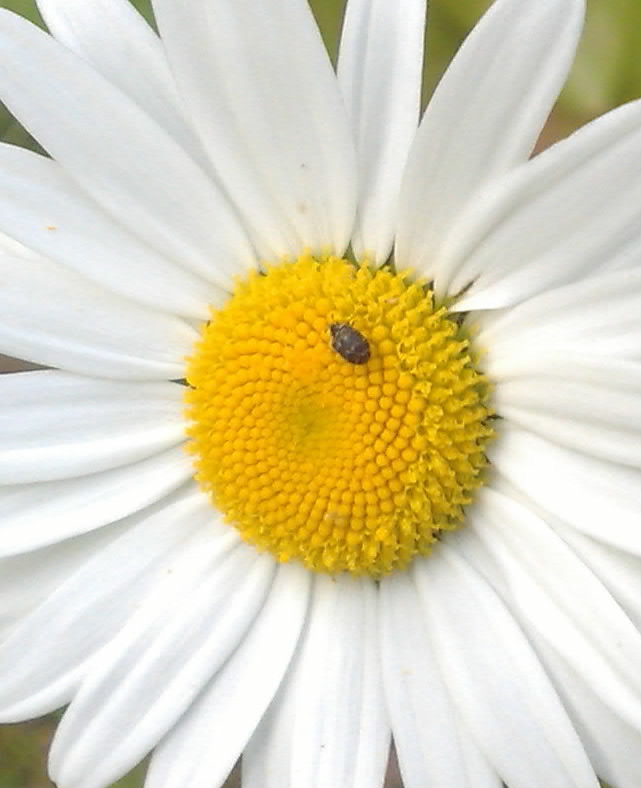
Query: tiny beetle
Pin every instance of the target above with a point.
(349, 343)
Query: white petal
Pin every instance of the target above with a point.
(54, 317)
(152, 671)
(125, 50)
(50, 651)
(626, 255)
(563, 601)
(380, 71)
(599, 498)
(45, 210)
(263, 96)
(483, 119)
(432, 744)
(585, 403)
(326, 726)
(36, 515)
(118, 154)
(612, 745)
(11, 247)
(204, 745)
(57, 426)
(600, 315)
(25, 580)
(496, 680)
(619, 572)
(560, 215)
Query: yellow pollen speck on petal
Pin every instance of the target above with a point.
(318, 451)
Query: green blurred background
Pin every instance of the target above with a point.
(607, 72)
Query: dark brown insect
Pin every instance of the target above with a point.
(349, 344)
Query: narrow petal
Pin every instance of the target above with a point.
(597, 316)
(612, 745)
(125, 50)
(380, 68)
(578, 618)
(202, 748)
(118, 154)
(503, 694)
(87, 610)
(263, 96)
(619, 572)
(589, 404)
(598, 498)
(153, 670)
(483, 119)
(626, 255)
(25, 580)
(36, 515)
(46, 211)
(517, 243)
(433, 746)
(52, 316)
(57, 426)
(326, 726)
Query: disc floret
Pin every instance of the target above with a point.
(343, 466)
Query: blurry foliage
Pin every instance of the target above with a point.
(607, 72)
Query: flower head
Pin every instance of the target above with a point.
(339, 440)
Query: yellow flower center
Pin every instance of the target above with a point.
(335, 415)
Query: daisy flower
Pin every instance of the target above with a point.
(339, 442)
